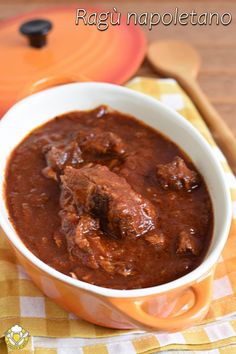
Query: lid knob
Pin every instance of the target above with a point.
(36, 31)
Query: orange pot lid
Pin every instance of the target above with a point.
(72, 52)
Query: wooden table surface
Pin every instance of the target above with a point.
(216, 44)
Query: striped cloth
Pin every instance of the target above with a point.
(53, 331)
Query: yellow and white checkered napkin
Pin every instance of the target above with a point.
(53, 331)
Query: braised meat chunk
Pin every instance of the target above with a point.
(87, 245)
(177, 175)
(100, 142)
(122, 212)
(77, 229)
(60, 155)
(156, 239)
(95, 201)
(188, 243)
(86, 242)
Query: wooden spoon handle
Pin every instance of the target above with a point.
(221, 132)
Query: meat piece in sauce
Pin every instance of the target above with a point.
(177, 175)
(156, 239)
(60, 155)
(77, 228)
(86, 242)
(86, 226)
(100, 142)
(187, 243)
(105, 195)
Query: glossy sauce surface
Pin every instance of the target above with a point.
(156, 231)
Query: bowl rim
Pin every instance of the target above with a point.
(195, 275)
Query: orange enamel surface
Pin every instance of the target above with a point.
(136, 309)
(72, 51)
(88, 306)
(51, 81)
(169, 311)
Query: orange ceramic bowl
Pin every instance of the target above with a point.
(171, 306)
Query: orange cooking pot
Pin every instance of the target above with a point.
(67, 51)
(168, 307)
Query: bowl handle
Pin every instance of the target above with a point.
(137, 315)
(51, 81)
